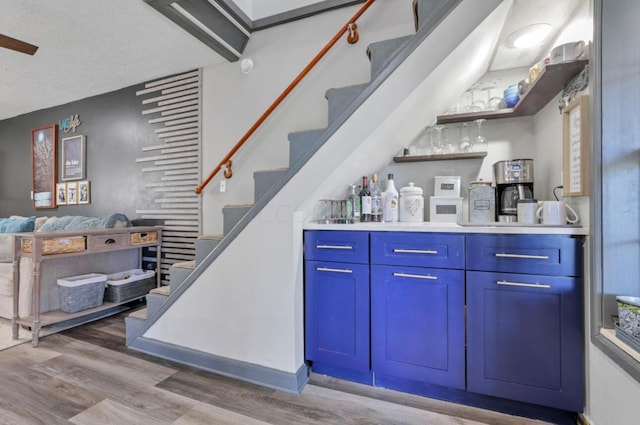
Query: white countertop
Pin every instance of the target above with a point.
(503, 228)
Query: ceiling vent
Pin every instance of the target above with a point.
(214, 23)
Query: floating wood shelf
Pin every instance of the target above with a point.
(549, 83)
(440, 157)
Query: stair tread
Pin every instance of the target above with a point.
(238, 206)
(163, 290)
(272, 170)
(211, 237)
(139, 314)
(185, 265)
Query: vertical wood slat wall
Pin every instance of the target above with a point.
(173, 164)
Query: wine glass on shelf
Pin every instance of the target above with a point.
(438, 146)
(465, 140)
(480, 141)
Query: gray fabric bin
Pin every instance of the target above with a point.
(128, 285)
(81, 292)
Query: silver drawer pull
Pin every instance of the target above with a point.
(528, 285)
(334, 247)
(415, 251)
(529, 257)
(415, 276)
(327, 269)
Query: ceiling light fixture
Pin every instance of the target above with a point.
(529, 36)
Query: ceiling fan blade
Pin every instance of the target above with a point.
(17, 45)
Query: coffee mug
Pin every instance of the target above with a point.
(555, 213)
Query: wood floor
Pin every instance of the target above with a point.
(87, 376)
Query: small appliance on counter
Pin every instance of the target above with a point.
(514, 181)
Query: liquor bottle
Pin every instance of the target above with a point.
(365, 201)
(353, 205)
(390, 201)
(376, 200)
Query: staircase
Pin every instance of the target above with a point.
(385, 57)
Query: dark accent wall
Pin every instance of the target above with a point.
(115, 132)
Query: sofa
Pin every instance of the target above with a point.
(50, 271)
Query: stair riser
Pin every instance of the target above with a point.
(340, 98)
(203, 247)
(299, 143)
(231, 216)
(381, 51)
(154, 301)
(177, 276)
(263, 180)
(132, 325)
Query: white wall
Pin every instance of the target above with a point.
(247, 305)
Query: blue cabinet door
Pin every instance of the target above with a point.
(525, 338)
(417, 324)
(337, 314)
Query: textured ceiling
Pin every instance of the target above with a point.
(88, 47)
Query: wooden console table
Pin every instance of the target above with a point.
(44, 246)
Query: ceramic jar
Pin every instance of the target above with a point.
(411, 204)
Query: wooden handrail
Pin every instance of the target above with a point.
(226, 161)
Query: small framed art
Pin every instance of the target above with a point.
(84, 192)
(72, 193)
(72, 158)
(61, 193)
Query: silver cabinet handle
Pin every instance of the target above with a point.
(415, 276)
(530, 257)
(334, 247)
(327, 269)
(528, 285)
(415, 251)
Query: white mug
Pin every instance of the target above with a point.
(555, 213)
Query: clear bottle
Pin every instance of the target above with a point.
(365, 201)
(390, 201)
(376, 200)
(353, 205)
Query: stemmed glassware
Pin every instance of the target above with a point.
(465, 140)
(480, 141)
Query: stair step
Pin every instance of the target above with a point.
(232, 214)
(264, 179)
(340, 98)
(163, 290)
(205, 244)
(179, 272)
(424, 11)
(154, 301)
(134, 321)
(380, 52)
(300, 141)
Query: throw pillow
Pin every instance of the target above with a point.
(17, 225)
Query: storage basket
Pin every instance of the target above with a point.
(81, 292)
(129, 285)
(56, 245)
(141, 238)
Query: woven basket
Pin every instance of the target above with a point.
(142, 238)
(57, 245)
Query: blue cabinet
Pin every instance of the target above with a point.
(525, 331)
(417, 325)
(337, 304)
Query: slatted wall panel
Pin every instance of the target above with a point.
(171, 166)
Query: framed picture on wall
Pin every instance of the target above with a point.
(84, 192)
(72, 158)
(44, 141)
(61, 193)
(72, 193)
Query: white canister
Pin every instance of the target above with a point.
(411, 203)
(527, 211)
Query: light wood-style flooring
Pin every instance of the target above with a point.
(87, 376)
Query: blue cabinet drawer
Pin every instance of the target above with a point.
(418, 249)
(339, 246)
(557, 255)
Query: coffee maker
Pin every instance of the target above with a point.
(514, 181)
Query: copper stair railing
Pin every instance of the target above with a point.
(352, 37)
